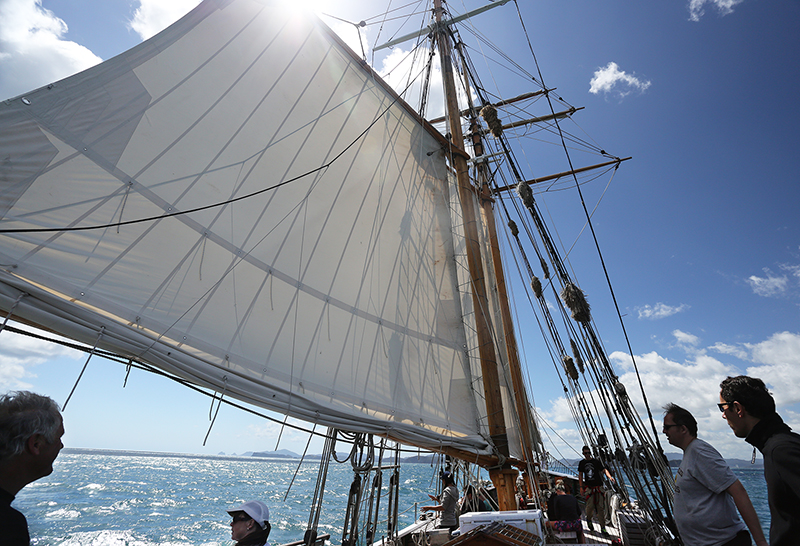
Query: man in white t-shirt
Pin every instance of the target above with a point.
(707, 493)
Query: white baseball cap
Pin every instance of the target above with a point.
(256, 510)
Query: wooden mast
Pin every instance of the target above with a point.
(504, 476)
(482, 178)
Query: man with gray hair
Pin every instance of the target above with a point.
(31, 428)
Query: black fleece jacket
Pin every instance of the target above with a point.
(781, 450)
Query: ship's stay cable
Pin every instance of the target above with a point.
(545, 312)
(315, 510)
(597, 245)
(606, 376)
(596, 341)
(602, 261)
(219, 404)
(302, 459)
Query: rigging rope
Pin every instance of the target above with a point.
(91, 354)
(322, 478)
(11, 310)
(614, 402)
(214, 419)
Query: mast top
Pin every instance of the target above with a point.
(430, 28)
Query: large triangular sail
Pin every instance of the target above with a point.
(240, 202)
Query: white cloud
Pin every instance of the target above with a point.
(777, 285)
(732, 350)
(558, 412)
(153, 16)
(660, 310)
(693, 383)
(725, 7)
(20, 354)
(685, 339)
(611, 78)
(32, 49)
(770, 285)
(395, 70)
(779, 365)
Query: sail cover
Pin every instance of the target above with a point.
(241, 202)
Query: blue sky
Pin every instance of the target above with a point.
(700, 231)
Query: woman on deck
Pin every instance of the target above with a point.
(250, 525)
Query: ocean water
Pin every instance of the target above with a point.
(121, 500)
(753, 480)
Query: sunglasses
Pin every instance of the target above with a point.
(241, 517)
(722, 407)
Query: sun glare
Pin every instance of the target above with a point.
(313, 6)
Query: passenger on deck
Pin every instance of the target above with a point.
(565, 512)
(749, 409)
(448, 503)
(250, 525)
(590, 478)
(31, 428)
(707, 492)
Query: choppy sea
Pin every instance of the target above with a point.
(124, 500)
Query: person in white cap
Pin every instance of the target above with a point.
(250, 525)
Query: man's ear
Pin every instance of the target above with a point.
(34, 444)
(739, 409)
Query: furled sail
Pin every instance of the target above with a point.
(240, 202)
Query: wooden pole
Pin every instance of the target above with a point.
(512, 352)
(503, 481)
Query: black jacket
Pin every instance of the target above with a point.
(781, 450)
(13, 526)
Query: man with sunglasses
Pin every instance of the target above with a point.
(749, 409)
(707, 493)
(250, 524)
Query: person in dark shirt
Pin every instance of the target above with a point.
(448, 503)
(590, 478)
(749, 409)
(30, 440)
(565, 512)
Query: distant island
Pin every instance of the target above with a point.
(281, 454)
(127, 453)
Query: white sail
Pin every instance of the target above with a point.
(318, 279)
